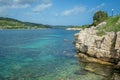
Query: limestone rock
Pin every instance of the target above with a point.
(91, 51)
(76, 36)
(117, 46)
(83, 48)
(105, 47)
(116, 76)
(108, 41)
(84, 57)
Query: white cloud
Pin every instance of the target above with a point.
(73, 11)
(20, 6)
(10, 2)
(42, 7)
(16, 3)
(7, 5)
(97, 7)
(23, 1)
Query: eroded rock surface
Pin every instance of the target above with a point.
(106, 48)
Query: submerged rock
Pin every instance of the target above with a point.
(80, 72)
(99, 69)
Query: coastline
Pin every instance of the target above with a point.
(74, 29)
(26, 29)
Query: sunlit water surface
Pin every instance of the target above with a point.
(40, 55)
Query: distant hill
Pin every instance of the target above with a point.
(9, 23)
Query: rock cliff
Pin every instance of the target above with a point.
(99, 49)
(105, 48)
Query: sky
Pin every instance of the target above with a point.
(57, 12)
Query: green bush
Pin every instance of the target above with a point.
(99, 17)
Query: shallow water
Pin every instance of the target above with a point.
(41, 55)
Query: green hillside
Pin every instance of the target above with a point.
(113, 24)
(9, 23)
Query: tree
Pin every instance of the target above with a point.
(99, 17)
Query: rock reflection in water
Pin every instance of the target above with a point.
(99, 69)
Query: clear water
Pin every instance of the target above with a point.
(40, 55)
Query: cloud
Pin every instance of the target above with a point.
(10, 2)
(20, 6)
(7, 5)
(42, 7)
(73, 11)
(23, 1)
(97, 7)
(25, 4)
(15, 3)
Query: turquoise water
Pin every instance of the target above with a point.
(40, 55)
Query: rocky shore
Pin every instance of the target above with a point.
(99, 49)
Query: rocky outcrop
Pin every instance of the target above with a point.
(99, 49)
(106, 48)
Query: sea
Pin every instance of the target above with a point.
(45, 54)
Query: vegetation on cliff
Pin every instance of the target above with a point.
(112, 24)
(99, 17)
(83, 26)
